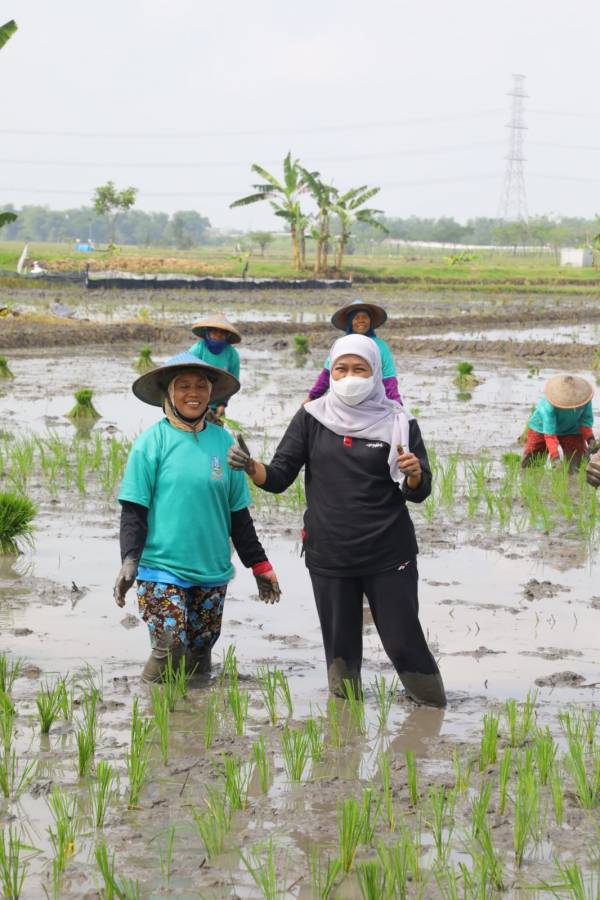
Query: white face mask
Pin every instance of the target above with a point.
(352, 389)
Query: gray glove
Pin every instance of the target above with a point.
(592, 473)
(239, 458)
(268, 588)
(125, 578)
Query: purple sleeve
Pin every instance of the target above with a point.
(391, 389)
(321, 385)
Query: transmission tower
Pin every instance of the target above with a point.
(513, 199)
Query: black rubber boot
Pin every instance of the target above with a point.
(339, 672)
(427, 690)
(198, 662)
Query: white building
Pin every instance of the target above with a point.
(579, 259)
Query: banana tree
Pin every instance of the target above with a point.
(284, 199)
(324, 196)
(6, 31)
(346, 208)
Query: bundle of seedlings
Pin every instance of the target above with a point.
(464, 377)
(16, 515)
(144, 362)
(5, 372)
(84, 410)
(301, 344)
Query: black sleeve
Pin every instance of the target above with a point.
(134, 528)
(290, 456)
(418, 448)
(245, 540)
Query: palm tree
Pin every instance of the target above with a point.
(324, 196)
(284, 197)
(346, 208)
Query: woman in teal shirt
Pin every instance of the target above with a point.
(361, 318)
(561, 422)
(181, 505)
(217, 335)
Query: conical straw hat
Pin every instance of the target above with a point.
(152, 386)
(568, 391)
(340, 317)
(216, 320)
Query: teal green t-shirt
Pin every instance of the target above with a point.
(548, 419)
(228, 359)
(388, 369)
(190, 492)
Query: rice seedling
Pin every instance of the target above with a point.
(384, 696)
(356, 704)
(115, 888)
(7, 720)
(333, 721)
(166, 855)
(372, 881)
(447, 476)
(411, 777)
(138, 755)
(237, 781)
(316, 740)
(101, 792)
(479, 808)
(556, 790)
(350, 829)
(84, 408)
(48, 702)
(230, 666)
(144, 362)
(489, 741)
(263, 764)
(13, 781)
(462, 773)
(211, 719)
(545, 749)
(63, 808)
(16, 515)
(574, 883)
(587, 786)
(323, 875)
(370, 809)
(489, 861)
(214, 822)
(395, 862)
(440, 810)
(5, 371)
(295, 752)
(385, 772)
(285, 692)
(261, 866)
(464, 377)
(238, 704)
(9, 672)
(301, 344)
(268, 683)
(176, 681)
(66, 699)
(86, 733)
(13, 868)
(526, 811)
(520, 723)
(162, 716)
(503, 776)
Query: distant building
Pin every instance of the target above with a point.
(579, 259)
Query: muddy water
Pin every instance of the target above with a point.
(559, 334)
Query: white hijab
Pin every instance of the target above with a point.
(376, 417)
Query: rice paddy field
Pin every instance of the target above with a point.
(252, 782)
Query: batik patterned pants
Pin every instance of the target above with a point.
(181, 618)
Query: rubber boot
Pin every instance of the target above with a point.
(428, 690)
(339, 672)
(156, 663)
(198, 662)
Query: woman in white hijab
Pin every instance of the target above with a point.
(364, 458)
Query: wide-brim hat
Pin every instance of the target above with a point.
(152, 386)
(377, 313)
(568, 391)
(216, 320)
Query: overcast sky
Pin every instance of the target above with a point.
(179, 97)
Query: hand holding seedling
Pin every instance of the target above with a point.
(239, 458)
(410, 465)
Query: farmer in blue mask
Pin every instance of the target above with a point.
(217, 335)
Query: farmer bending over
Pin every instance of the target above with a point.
(561, 422)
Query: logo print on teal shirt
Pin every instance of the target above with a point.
(216, 469)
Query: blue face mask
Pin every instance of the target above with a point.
(215, 347)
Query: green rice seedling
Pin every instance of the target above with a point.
(144, 362)
(301, 344)
(556, 790)
(489, 741)
(333, 721)
(370, 809)
(464, 377)
(66, 699)
(16, 515)
(86, 734)
(9, 672)
(138, 755)
(411, 777)
(479, 808)
(316, 740)
(261, 866)
(48, 702)
(372, 881)
(503, 776)
(5, 372)
(7, 721)
(323, 875)
(574, 883)
(62, 836)
(586, 786)
(545, 753)
(448, 882)
(263, 764)
(211, 719)
(13, 868)
(526, 812)
(238, 704)
(350, 830)
(395, 862)
(13, 781)
(447, 476)
(589, 720)
(162, 717)
(285, 692)
(385, 772)
(176, 681)
(440, 810)
(520, 723)
(230, 666)
(214, 822)
(356, 705)
(489, 861)
(268, 683)
(84, 408)
(462, 773)
(295, 752)
(91, 681)
(101, 792)
(166, 855)
(237, 781)
(384, 696)
(115, 888)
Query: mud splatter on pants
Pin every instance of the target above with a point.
(179, 618)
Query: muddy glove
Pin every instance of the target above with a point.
(266, 582)
(592, 473)
(125, 578)
(238, 457)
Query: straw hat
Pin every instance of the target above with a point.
(568, 391)
(377, 313)
(216, 320)
(152, 386)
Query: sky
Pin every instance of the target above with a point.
(179, 98)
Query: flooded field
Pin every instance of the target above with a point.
(259, 785)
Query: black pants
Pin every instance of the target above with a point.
(394, 603)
